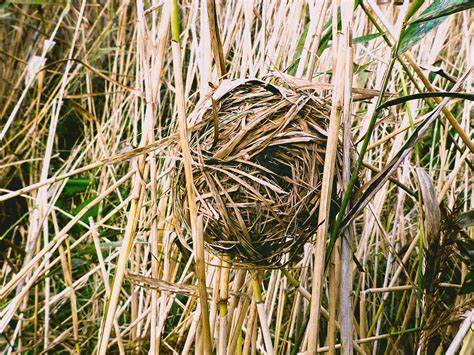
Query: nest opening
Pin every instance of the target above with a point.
(258, 152)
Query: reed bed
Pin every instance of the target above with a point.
(274, 177)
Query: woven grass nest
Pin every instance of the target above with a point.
(258, 153)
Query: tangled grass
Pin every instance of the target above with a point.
(258, 152)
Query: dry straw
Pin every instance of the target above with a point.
(258, 152)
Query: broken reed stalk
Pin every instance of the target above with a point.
(216, 42)
(196, 223)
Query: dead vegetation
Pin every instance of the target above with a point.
(236, 177)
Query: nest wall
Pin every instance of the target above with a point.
(258, 153)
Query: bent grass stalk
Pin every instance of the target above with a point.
(196, 223)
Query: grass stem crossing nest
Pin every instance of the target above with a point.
(258, 153)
